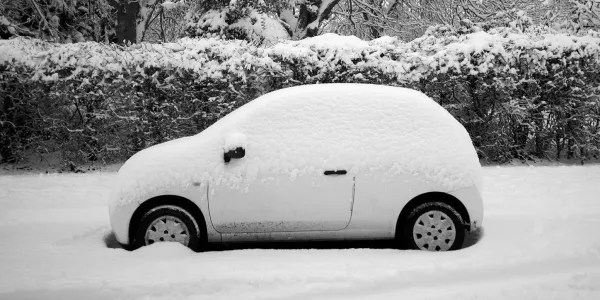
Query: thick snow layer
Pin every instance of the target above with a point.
(257, 25)
(168, 5)
(235, 140)
(540, 241)
(497, 50)
(333, 41)
(303, 131)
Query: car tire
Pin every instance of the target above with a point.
(168, 223)
(433, 226)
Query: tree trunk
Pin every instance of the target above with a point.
(559, 144)
(521, 132)
(540, 145)
(309, 20)
(305, 17)
(127, 15)
(8, 130)
(373, 30)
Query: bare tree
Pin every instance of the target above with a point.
(585, 14)
(134, 18)
(165, 24)
(371, 19)
(303, 17)
(59, 21)
(408, 19)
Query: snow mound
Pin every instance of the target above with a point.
(168, 5)
(164, 250)
(332, 40)
(302, 131)
(235, 140)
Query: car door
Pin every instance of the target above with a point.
(292, 177)
(279, 204)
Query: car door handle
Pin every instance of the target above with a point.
(338, 172)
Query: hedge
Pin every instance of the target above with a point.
(520, 92)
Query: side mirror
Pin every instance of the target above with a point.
(238, 153)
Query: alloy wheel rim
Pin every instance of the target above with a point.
(167, 229)
(434, 231)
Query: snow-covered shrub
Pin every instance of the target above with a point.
(104, 102)
(519, 92)
(243, 21)
(585, 15)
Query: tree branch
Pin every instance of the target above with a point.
(39, 12)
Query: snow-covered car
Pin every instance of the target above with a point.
(314, 162)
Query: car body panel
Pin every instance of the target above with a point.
(378, 201)
(120, 218)
(284, 204)
(338, 235)
(380, 197)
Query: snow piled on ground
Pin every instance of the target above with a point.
(540, 241)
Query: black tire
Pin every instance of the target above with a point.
(193, 229)
(405, 227)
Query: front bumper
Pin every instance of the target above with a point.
(472, 227)
(471, 199)
(120, 218)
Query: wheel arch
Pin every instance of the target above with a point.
(174, 200)
(430, 197)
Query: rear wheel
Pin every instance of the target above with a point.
(433, 226)
(168, 223)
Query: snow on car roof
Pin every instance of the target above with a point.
(304, 130)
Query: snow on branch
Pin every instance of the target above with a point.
(441, 50)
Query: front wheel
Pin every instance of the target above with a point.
(433, 226)
(168, 223)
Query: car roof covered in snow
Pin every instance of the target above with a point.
(303, 130)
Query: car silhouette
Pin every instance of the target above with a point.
(313, 162)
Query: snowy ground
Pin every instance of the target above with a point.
(541, 240)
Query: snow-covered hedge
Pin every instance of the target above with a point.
(518, 92)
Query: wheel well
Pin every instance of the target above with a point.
(184, 203)
(430, 197)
